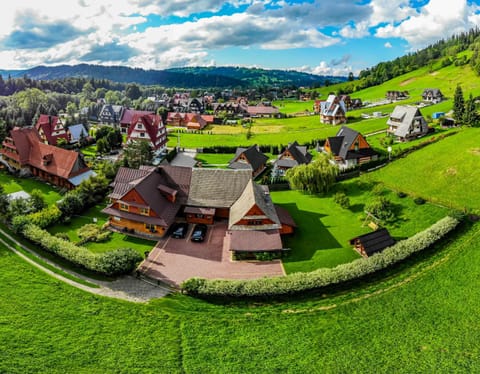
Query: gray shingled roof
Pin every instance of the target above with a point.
(252, 195)
(343, 141)
(403, 118)
(255, 158)
(375, 241)
(299, 153)
(217, 188)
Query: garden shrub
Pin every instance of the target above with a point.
(381, 208)
(401, 194)
(62, 235)
(43, 218)
(419, 201)
(301, 282)
(110, 263)
(342, 199)
(92, 233)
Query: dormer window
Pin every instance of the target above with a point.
(139, 126)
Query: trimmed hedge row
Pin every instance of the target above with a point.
(43, 218)
(120, 261)
(300, 282)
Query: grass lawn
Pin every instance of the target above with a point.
(90, 151)
(324, 228)
(290, 106)
(445, 172)
(14, 184)
(219, 160)
(117, 240)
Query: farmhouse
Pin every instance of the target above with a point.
(249, 158)
(372, 242)
(24, 150)
(349, 148)
(292, 156)
(333, 111)
(396, 95)
(149, 128)
(111, 114)
(50, 129)
(433, 95)
(128, 116)
(406, 123)
(149, 200)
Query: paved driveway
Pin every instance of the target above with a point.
(175, 260)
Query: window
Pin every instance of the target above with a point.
(199, 215)
(151, 227)
(124, 207)
(139, 126)
(145, 211)
(142, 134)
(255, 222)
(118, 219)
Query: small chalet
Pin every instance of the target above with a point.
(193, 121)
(333, 111)
(396, 95)
(349, 148)
(50, 129)
(407, 123)
(127, 118)
(147, 202)
(249, 158)
(24, 150)
(111, 114)
(292, 156)
(76, 133)
(432, 95)
(149, 128)
(372, 242)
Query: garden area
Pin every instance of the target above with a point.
(325, 227)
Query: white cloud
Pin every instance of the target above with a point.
(438, 19)
(388, 45)
(324, 68)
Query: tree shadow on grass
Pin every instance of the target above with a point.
(310, 234)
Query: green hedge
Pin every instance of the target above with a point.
(301, 282)
(120, 261)
(43, 218)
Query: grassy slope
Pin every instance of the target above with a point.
(13, 184)
(426, 325)
(451, 163)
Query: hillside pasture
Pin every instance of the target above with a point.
(445, 172)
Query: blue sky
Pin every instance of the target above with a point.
(315, 36)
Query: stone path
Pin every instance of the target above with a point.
(128, 287)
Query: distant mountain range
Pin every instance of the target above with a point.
(188, 77)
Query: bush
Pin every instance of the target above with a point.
(381, 208)
(301, 282)
(62, 235)
(401, 195)
(342, 199)
(42, 218)
(110, 263)
(92, 233)
(419, 201)
(379, 189)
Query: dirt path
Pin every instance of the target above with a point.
(127, 288)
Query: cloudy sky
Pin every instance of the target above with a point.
(316, 36)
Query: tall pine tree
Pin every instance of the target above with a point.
(470, 117)
(458, 105)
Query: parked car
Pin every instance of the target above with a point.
(179, 230)
(199, 233)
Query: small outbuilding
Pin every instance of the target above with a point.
(372, 242)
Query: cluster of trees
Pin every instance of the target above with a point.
(315, 177)
(465, 112)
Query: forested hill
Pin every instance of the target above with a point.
(196, 77)
(263, 77)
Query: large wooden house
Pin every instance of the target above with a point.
(128, 115)
(333, 111)
(51, 129)
(148, 128)
(349, 148)
(292, 156)
(149, 200)
(192, 121)
(249, 158)
(111, 114)
(407, 123)
(25, 150)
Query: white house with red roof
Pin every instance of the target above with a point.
(149, 128)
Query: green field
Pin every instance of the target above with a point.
(13, 184)
(324, 228)
(446, 172)
(421, 319)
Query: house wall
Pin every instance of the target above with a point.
(138, 227)
(133, 197)
(362, 143)
(50, 178)
(222, 213)
(195, 218)
(286, 229)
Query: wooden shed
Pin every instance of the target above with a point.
(372, 242)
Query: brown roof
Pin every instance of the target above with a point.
(197, 210)
(134, 217)
(126, 179)
(259, 240)
(285, 217)
(53, 160)
(262, 109)
(129, 114)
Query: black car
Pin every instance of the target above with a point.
(179, 230)
(199, 233)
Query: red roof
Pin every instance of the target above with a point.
(54, 160)
(48, 124)
(185, 118)
(151, 123)
(129, 114)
